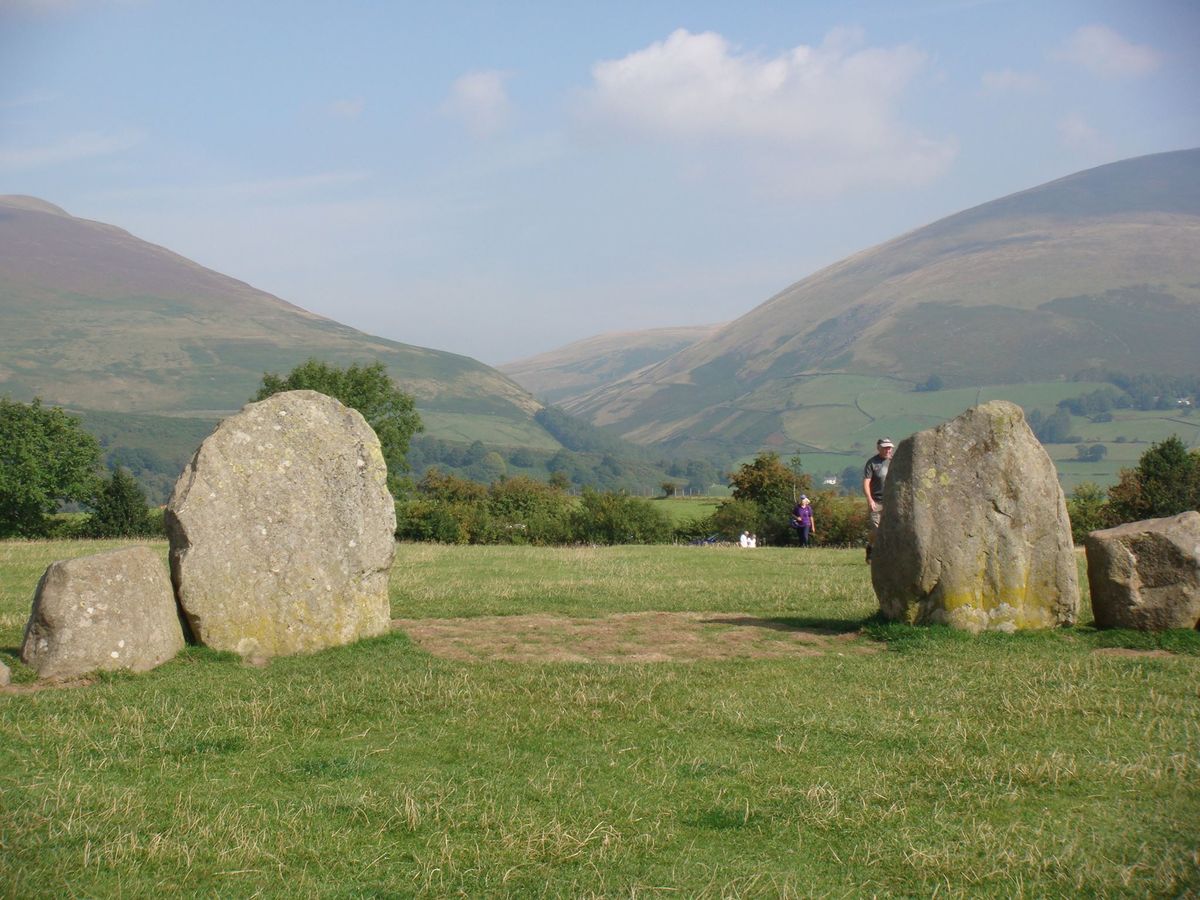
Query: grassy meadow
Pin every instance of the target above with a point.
(879, 760)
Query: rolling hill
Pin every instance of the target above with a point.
(1096, 271)
(579, 367)
(96, 319)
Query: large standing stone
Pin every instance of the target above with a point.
(1146, 574)
(282, 529)
(112, 610)
(975, 531)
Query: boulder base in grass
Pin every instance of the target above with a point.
(112, 610)
(975, 531)
(281, 529)
(1146, 575)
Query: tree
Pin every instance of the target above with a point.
(932, 383)
(368, 389)
(1166, 482)
(46, 459)
(119, 508)
(774, 488)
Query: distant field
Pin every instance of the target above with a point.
(845, 414)
(494, 431)
(630, 721)
(682, 509)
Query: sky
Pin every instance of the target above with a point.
(500, 179)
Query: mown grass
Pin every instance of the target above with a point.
(949, 765)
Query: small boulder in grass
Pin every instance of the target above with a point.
(1146, 575)
(108, 611)
(5, 675)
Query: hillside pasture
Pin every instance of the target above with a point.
(799, 748)
(843, 415)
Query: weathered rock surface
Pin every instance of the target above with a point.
(1146, 575)
(112, 610)
(975, 531)
(5, 675)
(281, 529)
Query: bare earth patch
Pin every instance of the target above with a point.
(32, 687)
(626, 638)
(1127, 651)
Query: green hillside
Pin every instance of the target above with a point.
(571, 371)
(96, 319)
(1099, 271)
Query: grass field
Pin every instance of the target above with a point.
(836, 419)
(887, 761)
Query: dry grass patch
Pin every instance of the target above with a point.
(641, 637)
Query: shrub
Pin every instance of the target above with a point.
(525, 511)
(618, 519)
(119, 509)
(841, 520)
(735, 516)
(1087, 508)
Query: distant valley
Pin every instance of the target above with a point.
(1033, 297)
(1041, 297)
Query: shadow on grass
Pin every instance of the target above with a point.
(811, 625)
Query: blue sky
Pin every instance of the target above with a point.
(498, 179)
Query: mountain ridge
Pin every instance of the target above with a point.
(100, 319)
(1099, 268)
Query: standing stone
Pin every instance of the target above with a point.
(1146, 575)
(5, 675)
(112, 610)
(975, 531)
(282, 529)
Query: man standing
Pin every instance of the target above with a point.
(874, 476)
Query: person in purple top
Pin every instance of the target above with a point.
(802, 521)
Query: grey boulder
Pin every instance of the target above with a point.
(975, 531)
(282, 529)
(108, 611)
(1146, 575)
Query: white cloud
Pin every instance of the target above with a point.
(1008, 81)
(83, 145)
(1075, 132)
(1103, 51)
(480, 102)
(814, 118)
(347, 109)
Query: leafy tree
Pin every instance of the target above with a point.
(774, 488)
(119, 508)
(1165, 482)
(46, 459)
(368, 389)
(1094, 453)
(700, 475)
